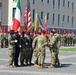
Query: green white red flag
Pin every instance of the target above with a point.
(17, 18)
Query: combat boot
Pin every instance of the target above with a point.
(11, 66)
(41, 66)
(36, 65)
(51, 66)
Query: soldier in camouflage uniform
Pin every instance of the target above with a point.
(35, 49)
(64, 39)
(22, 50)
(3, 39)
(6, 40)
(54, 44)
(11, 48)
(41, 43)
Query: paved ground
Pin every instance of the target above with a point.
(68, 60)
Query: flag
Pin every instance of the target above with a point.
(45, 22)
(27, 17)
(36, 26)
(42, 26)
(17, 21)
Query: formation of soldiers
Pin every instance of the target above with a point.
(27, 44)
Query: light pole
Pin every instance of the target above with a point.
(62, 27)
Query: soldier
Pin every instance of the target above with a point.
(22, 50)
(54, 45)
(17, 48)
(6, 40)
(35, 48)
(3, 39)
(30, 49)
(41, 42)
(11, 48)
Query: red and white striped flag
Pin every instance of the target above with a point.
(45, 22)
(27, 17)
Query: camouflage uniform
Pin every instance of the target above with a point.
(69, 39)
(11, 49)
(22, 50)
(64, 39)
(41, 50)
(3, 40)
(6, 40)
(34, 46)
(54, 44)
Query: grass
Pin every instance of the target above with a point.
(68, 49)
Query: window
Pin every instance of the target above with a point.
(33, 15)
(42, 0)
(63, 3)
(72, 21)
(0, 0)
(14, 9)
(68, 4)
(34, 1)
(58, 19)
(53, 4)
(67, 18)
(63, 18)
(58, 4)
(41, 15)
(53, 18)
(47, 16)
(72, 7)
(47, 1)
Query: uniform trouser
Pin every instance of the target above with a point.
(17, 51)
(54, 57)
(36, 56)
(2, 43)
(22, 56)
(6, 43)
(11, 56)
(30, 55)
(26, 55)
(41, 56)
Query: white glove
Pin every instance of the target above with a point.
(16, 41)
(20, 46)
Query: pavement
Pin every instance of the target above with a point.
(67, 59)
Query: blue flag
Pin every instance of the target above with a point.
(40, 22)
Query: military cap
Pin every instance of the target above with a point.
(11, 31)
(23, 32)
(43, 31)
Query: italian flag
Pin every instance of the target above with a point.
(17, 22)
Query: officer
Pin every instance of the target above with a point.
(11, 48)
(22, 50)
(27, 49)
(17, 48)
(54, 45)
(42, 42)
(35, 48)
(30, 48)
(6, 40)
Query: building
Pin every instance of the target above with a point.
(61, 14)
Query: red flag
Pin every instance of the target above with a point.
(27, 16)
(45, 22)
